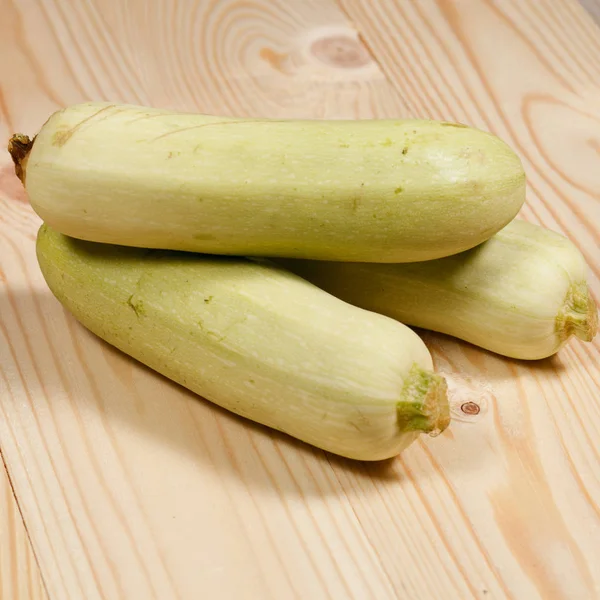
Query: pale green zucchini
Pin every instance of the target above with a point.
(522, 294)
(257, 340)
(372, 190)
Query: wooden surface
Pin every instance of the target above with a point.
(20, 577)
(131, 487)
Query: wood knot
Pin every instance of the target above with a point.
(470, 408)
(341, 51)
(469, 398)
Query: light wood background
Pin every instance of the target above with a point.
(130, 487)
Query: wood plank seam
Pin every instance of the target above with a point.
(22, 521)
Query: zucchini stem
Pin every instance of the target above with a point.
(19, 147)
(579, 314)
(424, 404)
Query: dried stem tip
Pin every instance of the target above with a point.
(19, 147)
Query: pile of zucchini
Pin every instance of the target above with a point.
(272, 266)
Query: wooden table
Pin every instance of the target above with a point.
(127, 486)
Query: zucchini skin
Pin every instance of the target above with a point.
(367, 191)
(521, 294)
(257, 340)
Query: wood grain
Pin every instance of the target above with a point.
(20, 577)
(131, 487)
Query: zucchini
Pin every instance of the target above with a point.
(371, 190)
(257, 340)
(521, 294)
